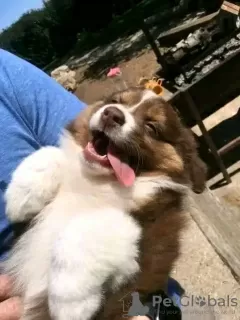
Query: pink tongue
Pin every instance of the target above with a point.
(123, 172)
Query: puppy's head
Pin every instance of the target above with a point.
(136, 133)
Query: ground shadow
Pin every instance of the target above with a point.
(121, 50)
(222, 182)
(115, 57)
(130, 44)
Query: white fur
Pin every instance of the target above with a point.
(128, 127)
(147, 95)
(43, 166)
(80, 241)
(130, 123)
(99, 246)
(83, 239)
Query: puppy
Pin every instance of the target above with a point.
(107, 208)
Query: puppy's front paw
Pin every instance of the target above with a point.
(34, 184)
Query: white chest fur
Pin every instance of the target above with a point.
(79, 241)
(82, 239)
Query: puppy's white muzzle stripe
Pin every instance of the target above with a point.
(147, 95)
(128, 126)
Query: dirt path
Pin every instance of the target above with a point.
(90, 90)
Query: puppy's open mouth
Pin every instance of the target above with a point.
(101, 143)
(101, 150)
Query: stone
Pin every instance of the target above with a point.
(66, 77)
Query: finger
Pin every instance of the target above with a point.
(5, 287)
(11, 309)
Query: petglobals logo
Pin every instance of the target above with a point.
(209, 301)
(133, 306)
(199, 301)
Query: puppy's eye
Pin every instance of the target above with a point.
(114, 100)
(151, 128)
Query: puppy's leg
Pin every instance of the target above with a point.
(94, 248)
(74, 290)
(35, 312)
(36, 308)
(34, 184)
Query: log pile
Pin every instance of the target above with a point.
(205, 48)
(211, 61)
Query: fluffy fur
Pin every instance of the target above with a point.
(90, 236)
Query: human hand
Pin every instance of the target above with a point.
(10, 307)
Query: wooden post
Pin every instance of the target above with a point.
(143, 26)
(194, 110)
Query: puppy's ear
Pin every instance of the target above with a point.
(195, 168)
(198, 174)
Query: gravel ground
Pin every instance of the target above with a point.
(201, 272)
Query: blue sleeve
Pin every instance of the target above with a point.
(45, 105)
(33, 110)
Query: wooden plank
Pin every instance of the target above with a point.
(229, 9)
(231, 5)
(194, 110)
(220, 223)
(228, 147)
(176, 34)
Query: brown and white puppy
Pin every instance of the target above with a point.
(109, 207)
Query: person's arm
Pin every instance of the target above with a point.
(33, 111)
(34, 108)
(43, 105)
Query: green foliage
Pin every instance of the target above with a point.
(42, 35)
(29, 38)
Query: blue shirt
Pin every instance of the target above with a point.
(33, 110)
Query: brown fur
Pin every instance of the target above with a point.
(166, 148)
(162, 221)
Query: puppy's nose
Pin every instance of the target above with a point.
(112, 116)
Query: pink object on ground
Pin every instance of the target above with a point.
(114, 72)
